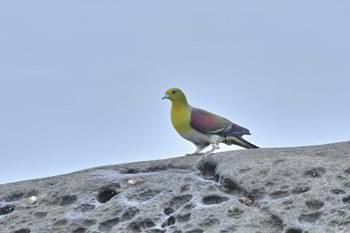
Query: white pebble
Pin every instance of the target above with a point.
(32, 200)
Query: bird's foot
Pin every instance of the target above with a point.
(209, 153)
(215, 146)
(195, 153)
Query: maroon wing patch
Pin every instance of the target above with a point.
(210, 123)
(204, 121)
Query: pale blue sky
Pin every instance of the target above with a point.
(81, 81)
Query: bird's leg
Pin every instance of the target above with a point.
(199, 148)
(215, 146)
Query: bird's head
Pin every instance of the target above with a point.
(175, 95)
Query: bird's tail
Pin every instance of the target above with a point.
(239, 141)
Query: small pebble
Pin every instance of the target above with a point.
(32, 200)
(130, 181)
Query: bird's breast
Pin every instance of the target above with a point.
(180, 118)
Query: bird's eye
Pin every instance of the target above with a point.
(173, 92)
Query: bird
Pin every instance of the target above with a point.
(201, 127)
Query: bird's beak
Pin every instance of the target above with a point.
(165, 97)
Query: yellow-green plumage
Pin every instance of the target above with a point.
(180, 117)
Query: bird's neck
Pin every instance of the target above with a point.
(179, 107)
(180, 116)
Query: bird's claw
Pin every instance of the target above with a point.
(195, 153)
(209, 153)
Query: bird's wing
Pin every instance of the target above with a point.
(210, 123)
